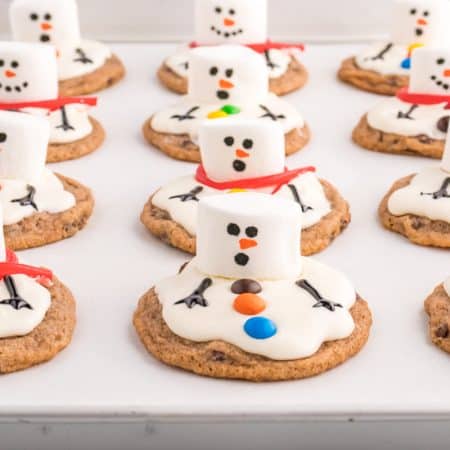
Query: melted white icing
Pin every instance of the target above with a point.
(164, 121)
(50, 197)
(301, 328)
(424, 119)
(185, 213)
(21, 322)
(277, 62)
(77, 118)
(389, 64)
(409, 200)
(70, 64)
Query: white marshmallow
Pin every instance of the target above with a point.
(249, 235)
(229, 74)
(421, 22)
(28, 72)
(445, 163)
(23, 146)
(2, 238)
(230, 21)
(233, 149)
(47, 21)
(430, 71)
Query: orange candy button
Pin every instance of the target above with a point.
(249, 304)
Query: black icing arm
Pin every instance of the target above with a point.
(320, 301)
(65, 124)
(270, 114)
(298, 199)
(15, 300)
(190, 196)
(442, 192)
(383, 52)
(197, 298)
(82, 57)
(28, 200)
(187, 116)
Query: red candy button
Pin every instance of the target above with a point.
(249, 304)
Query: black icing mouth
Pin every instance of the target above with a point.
(239, 166)
(45, 38)
(440, 83)
(241, 259)
(419, 31)
(223, 95)
(225, 33)
(14, 88)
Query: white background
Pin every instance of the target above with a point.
(144, 20)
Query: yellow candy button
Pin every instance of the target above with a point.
(236, 190)
(217, 115)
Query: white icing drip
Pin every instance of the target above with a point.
(409, 200)
(69, 67)
(50, 197)
(390, 64)
(21, 322)
(424, 120)
(77, 117)
(164, 122)
(447, 286)
(301, 329)
(281, 59)
(185, 213)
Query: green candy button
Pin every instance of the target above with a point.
(231, 109)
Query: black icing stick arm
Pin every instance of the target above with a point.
(15, 300)
(298, 199)
(197, 298)
(190, 196)
(442, 192)
(27, 200)
(314, 293)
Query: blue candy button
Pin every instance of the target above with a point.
(260, 328)
(406, 63)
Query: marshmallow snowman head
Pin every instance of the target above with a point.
(48, 21)
(234, 149)
(249, 235)
(28, 72)
(230, 21)
(23, 145)
(420, 22)
(227, 74)
(430, 71)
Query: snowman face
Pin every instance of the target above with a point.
(23, 145)
(234, 149)
(249, 235)
(420, 21)
(230, 21)
(46, 21)
(227, 74)
(430, 72)
(27, 72)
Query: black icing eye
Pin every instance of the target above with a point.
(14, 64)
(426, 13)
(2, 63)
(218, 10)
(232, 12)
(440, 61)
(413, 12)
(251, 232)
(229, 140)
(248, 144)
(34, 16)
(233, 229)
(229, 73)
(48, 16)
(3, 137)
(213, 71)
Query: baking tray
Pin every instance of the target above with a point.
(106, 373)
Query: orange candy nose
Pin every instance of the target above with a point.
(422, 22)
(249, 304)
(46, 26)
(10, 73)
(447, 73)
(224, 84)
(228, 22)
(244, 244)
(242, 154)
